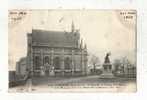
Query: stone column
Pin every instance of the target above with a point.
(41, 56)
(42, 73)
(52, 60)
(62, 62)
(52, 57)
(72, 62)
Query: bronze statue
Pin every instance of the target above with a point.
(107, 60)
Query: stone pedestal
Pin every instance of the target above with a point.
(107, 67)
(107, 71)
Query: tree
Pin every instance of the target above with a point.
(120, 63)
(94, 61)
(117, 64)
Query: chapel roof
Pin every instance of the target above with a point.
(55, 38)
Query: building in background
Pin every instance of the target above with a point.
(21, 67)
(19, 76)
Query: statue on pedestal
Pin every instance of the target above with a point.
(107, 67)
(107, 60)
(107, 64)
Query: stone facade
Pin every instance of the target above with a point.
(59, 53)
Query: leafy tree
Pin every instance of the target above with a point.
(94, 61)
(117, 64)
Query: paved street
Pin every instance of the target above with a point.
(46, 83)
(77, 80)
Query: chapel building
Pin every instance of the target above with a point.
(62, 53)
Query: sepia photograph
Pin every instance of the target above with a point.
(54, 50)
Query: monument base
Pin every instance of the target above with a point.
(107, 71)
(107, 75)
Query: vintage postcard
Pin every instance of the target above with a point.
(72, 50)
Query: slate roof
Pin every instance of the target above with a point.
(55, 38)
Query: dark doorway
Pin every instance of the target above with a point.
(57, 63)
(67, 63)
(46, 60)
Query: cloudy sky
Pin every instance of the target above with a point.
(102, 30)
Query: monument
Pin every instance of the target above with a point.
(107, 67)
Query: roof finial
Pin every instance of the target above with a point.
(81, 44)
(72, 27)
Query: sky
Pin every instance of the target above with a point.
(102, 30)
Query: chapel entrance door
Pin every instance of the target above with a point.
(57, 63)
(47, 65)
